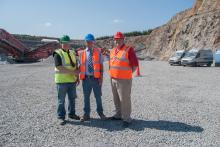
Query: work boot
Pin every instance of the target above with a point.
(61, 122)
(102, 117)
(114, 118)
(74, 117)
(84, 118)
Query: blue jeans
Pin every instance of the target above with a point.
(62, 90)
(90, 84)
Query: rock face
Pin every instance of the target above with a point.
(198, 27)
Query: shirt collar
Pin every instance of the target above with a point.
(87, 49)
(66, 51)
(120, 47)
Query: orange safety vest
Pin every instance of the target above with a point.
(95, 61)
(119, 66)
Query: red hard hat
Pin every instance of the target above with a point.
(118, 35)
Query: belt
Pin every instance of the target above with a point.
(89, 76)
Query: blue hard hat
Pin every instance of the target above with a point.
(89, 37)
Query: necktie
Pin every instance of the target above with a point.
(90, 65)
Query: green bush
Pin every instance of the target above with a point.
(148, 32)
(29, 37)
(104, 37)
(129, 34)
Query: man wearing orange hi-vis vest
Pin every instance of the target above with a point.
(91, 74)
(122, 63)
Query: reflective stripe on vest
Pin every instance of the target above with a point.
(119, 64)
(96, 64)
(63, 77)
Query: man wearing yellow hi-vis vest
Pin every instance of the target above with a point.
(66, 79)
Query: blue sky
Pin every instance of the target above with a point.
(76, 18)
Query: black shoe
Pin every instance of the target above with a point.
(74, 117)
(125, 124)
(84, 118)
(102, 117)
(61, 122)
(114, 118)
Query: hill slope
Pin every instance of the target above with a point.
(198, 27)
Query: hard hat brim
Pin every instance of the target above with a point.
(118, 38)
(64, 41)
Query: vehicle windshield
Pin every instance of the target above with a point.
(177, 54)
(191, 54)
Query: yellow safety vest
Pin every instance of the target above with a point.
(63, 77)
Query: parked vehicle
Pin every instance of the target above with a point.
(217, 58)
(195, 57)
(176, 57)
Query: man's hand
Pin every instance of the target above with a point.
(77, 81)
(100, 81)
(76, 72)
(68, 71)
(134, 69)
(105, 52)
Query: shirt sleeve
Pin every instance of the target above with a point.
(133, 61)
(78, 58)
(101, 58)
(57, 60)
(107, 57)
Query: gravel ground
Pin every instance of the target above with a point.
(172, 106)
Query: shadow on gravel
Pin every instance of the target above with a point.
(97, 123)
(140, 76)
(139, 125)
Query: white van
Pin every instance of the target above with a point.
(195, 57)
(176, 57)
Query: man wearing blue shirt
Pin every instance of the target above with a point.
(91, 74)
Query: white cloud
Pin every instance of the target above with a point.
(118, 21)
(47, 24)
